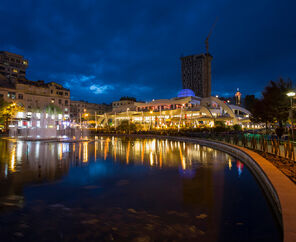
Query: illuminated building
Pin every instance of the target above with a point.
(184, 111)
(238, 97)
(36, 96)
(196, 74)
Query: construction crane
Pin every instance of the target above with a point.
(209, 35)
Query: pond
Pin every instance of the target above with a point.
(126, 189)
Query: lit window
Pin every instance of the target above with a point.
(20, 115)
(11, 95)
(25, 62)
(14, 70)
(52, 100)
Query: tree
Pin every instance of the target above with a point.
(53, 109)
(8, 111)
(274, 105)
(126, 126)
(261, 113)
(277, 101)
(250, 101)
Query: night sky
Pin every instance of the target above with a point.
(103, 50)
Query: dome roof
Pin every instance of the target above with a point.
(186, 93)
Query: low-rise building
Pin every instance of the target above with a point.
(186, 110)
(123, 105)
(86, 111)
(36, 96)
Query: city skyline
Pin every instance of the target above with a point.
(138, 54)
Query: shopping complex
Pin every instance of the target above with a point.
(49, 104)
(185, 110)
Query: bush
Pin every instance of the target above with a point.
(237, 127)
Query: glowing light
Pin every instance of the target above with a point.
(12, 160)
(151, 159)
(229, 164)
(85, 152)
(291, 94)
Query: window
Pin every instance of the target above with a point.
(51, 91)
(20, 96)
(66, 93)
(60, 101)
(11, 95)
(14, 70)
(66, 102)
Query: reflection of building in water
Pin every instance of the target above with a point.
(204, 189)
(154, 152)
(25, 163)
(22, 163)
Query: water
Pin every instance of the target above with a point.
(129, 190)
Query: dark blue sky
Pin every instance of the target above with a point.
(103, 50)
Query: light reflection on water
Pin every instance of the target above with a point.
(156, 176)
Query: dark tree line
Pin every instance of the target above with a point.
(274, 105)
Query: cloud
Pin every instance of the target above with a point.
(100, 89)
(135, 46)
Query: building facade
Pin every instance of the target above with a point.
(123, 106)
(186, 111)
(12, 65)
(196, 74)
(82, 110)
(36, 96)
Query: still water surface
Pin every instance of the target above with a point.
(129, 190)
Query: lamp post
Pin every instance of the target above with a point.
(151, 112)
(291, 95)
(128, 116)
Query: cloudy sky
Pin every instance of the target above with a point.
(105, 49)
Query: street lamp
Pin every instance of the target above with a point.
(291, 95)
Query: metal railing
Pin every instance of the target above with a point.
(271, 145)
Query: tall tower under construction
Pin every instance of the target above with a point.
(196, 74)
